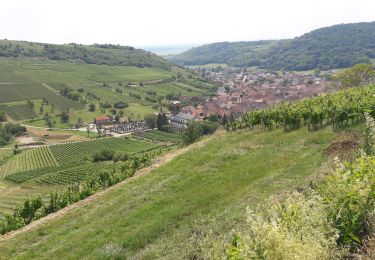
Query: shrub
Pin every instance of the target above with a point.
(103, 155)
(349, 196)
(120, 105)
(294, 229)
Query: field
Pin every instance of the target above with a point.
(78, 151)
(167, 213)
(36, 79)
(28, 160)
(18, 112)
(57, 165)
(156, 135)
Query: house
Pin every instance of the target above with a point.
(103, 120)
(182, 118)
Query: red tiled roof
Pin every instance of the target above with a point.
(102, 118)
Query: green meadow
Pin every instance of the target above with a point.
(166, 213)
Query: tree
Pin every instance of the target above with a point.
(92, 107)
(64, 117)
(3, 117)
(192, 133)
(161, 121)
(151, 120)
(358, 75)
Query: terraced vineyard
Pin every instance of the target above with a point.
(19, 111)
(29, 160)
(66, 153)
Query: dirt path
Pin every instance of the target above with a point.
(159, 161)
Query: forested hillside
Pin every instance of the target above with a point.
(338, 46)
(102, 54)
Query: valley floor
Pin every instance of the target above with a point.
(166, 213)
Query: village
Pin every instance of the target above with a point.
(239, 91)
(243, 90)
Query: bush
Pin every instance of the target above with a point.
(120, 105)
(294, 229)
(103, 155)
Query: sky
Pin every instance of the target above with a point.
(145, 23)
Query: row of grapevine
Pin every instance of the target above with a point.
(62, 103)
(29, 160)
(156, 135)
(77, 151)
(343, 107)
(21, 92)
(72, 174)
(18, 112)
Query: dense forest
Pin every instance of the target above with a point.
(338, 46)
(102, 54)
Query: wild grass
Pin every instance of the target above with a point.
(166, 213)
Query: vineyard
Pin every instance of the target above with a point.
(18, 112)
(29, 160)
(73, 174)
(339, 109)
(22, 92)
(156, 135)
(66, 153)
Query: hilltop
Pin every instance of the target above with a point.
(101, 54)
(337, 46)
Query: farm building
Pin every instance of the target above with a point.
(103, 120)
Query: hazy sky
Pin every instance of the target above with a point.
(166, 22)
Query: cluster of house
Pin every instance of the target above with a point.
(241, 92)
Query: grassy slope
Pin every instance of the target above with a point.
(207, 188)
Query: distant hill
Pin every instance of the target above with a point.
(102, 54)
(337, 46)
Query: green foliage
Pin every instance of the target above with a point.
(161, 136)
(35, 208)
(369, 146)
(93, 54)
(120, 105)
(161, 121)
(293, 229)
(64, 117)
(103, 155)
(8, 130)
(92, 107)
(192, 133)
(72, 152)
(31, 159)
(358, 75)
(151, 120)
(17, 112)
(338, 46)
(349, 196)
(340, 108)
(3, 117)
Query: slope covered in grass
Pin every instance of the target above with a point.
(166, 212)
